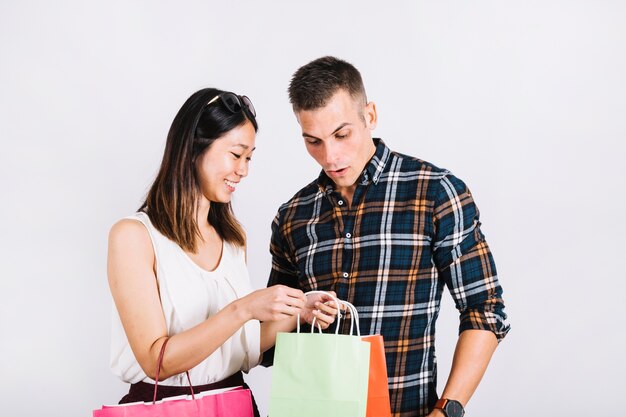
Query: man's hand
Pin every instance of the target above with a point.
(320, 307)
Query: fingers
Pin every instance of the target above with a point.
(314, 300)
(327, 297)
(323, 320)
(292, 293)
(288, 311)
(284, 311)
(325, 314)
(327, 307)
(281, 311)
(286, 302)
(275, 303)
(289, 296)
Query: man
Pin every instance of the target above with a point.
(386, 232)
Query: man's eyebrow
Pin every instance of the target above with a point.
(341, 126)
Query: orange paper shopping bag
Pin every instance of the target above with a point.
(378, 386)
(378, 404)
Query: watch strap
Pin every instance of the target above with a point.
(450, 408)
(441, 403)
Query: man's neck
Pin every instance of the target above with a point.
(347, 193)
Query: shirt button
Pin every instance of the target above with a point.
(340, 202)
(345, 275)
(375, 178)
(348, 235)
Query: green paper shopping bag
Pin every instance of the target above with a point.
(319, 374)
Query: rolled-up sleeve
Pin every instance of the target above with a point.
(464, 261)
(284, 270)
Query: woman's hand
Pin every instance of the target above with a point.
(320, 307)
(313, 306)
(275, 303)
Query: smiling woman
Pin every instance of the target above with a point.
(193, 137)
(177, 268)
(225, 164)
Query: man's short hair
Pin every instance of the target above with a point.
(313, 84)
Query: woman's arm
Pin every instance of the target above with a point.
(135, 291)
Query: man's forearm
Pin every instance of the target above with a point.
(471, 357)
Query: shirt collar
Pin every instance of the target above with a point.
(371, 172)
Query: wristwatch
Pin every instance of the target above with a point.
(451, 408)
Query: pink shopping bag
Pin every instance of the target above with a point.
(227, 402)
(233, 402)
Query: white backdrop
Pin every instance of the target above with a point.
(525, 101)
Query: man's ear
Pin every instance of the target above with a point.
(371, 117)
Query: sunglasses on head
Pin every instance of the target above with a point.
(234, 103)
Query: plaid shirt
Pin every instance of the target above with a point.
(411, 228)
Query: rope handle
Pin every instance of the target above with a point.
(316, 324)
(354, 317)
(156, 381)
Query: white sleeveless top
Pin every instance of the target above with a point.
(189, 295)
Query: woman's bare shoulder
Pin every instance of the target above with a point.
(130, 233)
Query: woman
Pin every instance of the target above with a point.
(177, 268)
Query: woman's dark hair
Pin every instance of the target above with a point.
(313, 84)
(171, 202)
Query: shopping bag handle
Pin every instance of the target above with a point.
(337, 304)
(354, 317)
(156, 381)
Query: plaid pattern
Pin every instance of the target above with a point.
(411, 228)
